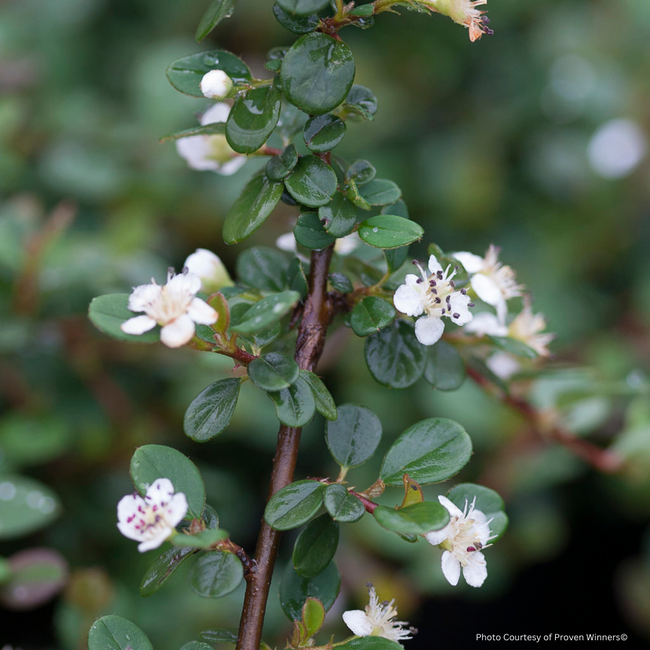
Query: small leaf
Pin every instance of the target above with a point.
(412, 492)
(341, 282)
(312, 182)
(487, 501)
(361, 171)
(325, 404)
(294, 406)
(162, 569)
(316, 546)
(157, 461)
(295, 24)
(266, 311)
(217, 128)
(216, 12)
(203, 540)
(303, 7)
(219, 303)
(294, 590)
(263, 268)
(294, 505)
(211, 410)
(387, 231)
(361, 102)
(363, 10)
(279, 167)
(196, 645)
(323, 132)
(342, 505)
(313, 616)
(339, 215)
(219, 635)
(380, 191)
(253, 118)
(108, 312)
(310, 233)
(215, 574)
(353, 437)
(416, 519)
(352, 193)
(430, 451)
(370, 315)
(117, 633)
(273, 371)
(250, 210)
(445, 369)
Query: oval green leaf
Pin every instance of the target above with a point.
(216, 12)
(380, 191)
(488, 502)
(310, 232)
(273, 371)
(253, 118)
(312, 182)
(294, 505)
(211, 410)
(162, 569)
(263, 268)
(219, 635)
(342, 505)
(295, 590)
(323, 132)
(370, 315)
(325, 404)
(108, 312)
(267, 311)
(294, 406)
(339, 215)
(316, 546)
(353, 437)
(445, 369)
(417, 519)
(361, 102)
(279, 167)
(295, 24)
(388, 231)
(215, 574)
(303, 7)
(117, 633)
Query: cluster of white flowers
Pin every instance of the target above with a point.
(151, 520)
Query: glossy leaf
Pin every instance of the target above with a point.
(201, 540)
(295, 24)
(341, 282)
(370, 315)
(159, 572)
(352, 193)
(313, 616)
(266, 311)
(445, 369)
(263, 268)
(312, 182)
(394, 356)
(250, 210)
(253, 118)
(310, 233)
(416, 519)
(186, 74)
(117, 633)
(216, 12)
(387, 231)
(217, 128)
(303, 7)
(295, 590)
(294, 505)
(487, 501)
(361, 102)
(273, 371)
(215, 574)
(219, 635)
(316, 546)
(294, 406)
(380, 191)
(353, 437)
(361, 171)
(157, 461)
(339, 215)
(211, 410)
(325, 404)
(317, 73)
(108, 312)
(196, 645)
(341, 505)
(279, 167)
(297, 277)
(430, 451)
(323, 132)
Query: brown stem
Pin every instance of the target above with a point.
(317, 315)
(603, 460)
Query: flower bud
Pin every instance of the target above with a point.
(210, 269)
(216, 84)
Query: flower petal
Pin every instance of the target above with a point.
(434, 265)
(503, 365)
(184, 283)
(160, 492)
(177, 509)
(138, 325)
(230, 167)
(486, 324)
(450, 568)
(216, 113)
(409, 298)
(143, 296)
(429, 329)
(358, 622)
(453, 510)
(471, 263)
(156, 541)
(475, 571)
(200, 312)
(436, 537)
(486, 289)
(179, 332)
(129, 531)
(460, 313)
(196, 150)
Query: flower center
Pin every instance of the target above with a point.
(438, 288)
(168, 305)
(149, 520)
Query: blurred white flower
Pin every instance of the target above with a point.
(486, 324)
(342, 246)
(216, 84)
(173, 306)
(529, 329)
(462, 539)
(211, 152)
(377, 620)
(153, 519)
(503, 364)
(209, 267)
(435, 296)
(616, 148)
(463, 12)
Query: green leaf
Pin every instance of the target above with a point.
(361, 171)
(317, 73)
(398, 209)
(394, 356)
(312, 182)
(117, 633)
(370, 315)
(310, 233)
(380, 191)
(513, 346)
(325, 404)
(279, 167)
(363, 10)
(186, 74)
(215, 574)
(303, 7)
(417, 519)
(341, 282)
(445, 369)
(273, 371)
(217, 11)
(32, 439)
(316, 546)
(211, 410)
(353, 437)
(342, 505)
(25, 506)
(294, 406)
(313, 616)
(339, 215)
(108, 312)
(296, 277)
(323, 132)
(294, 505)
(295, 590)
(203, 540)
(162, 569)
(430, 451)
(263, 268)
(487, 501)
(361, 102)
(196, 645)
(352, 193)
(219, 635)
(370, 643)
(295, 24)
(217, 128)
(253, 118)
(251, 209)
(266, 311)
(387, 231)
(157, 461)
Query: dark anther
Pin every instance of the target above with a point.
(443, 311)
(456, 315)
(414, 487)
(439, 275)
(470, 549)
(419, 280)
(413, 630)
(438, 301)
(464, 291)
(415, 263)
(471, 304)
(485, 19)
(369, 584)
(452, 283)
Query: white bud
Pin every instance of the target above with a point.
(216, 84)
(210, 269)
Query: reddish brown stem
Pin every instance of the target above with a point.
(317, 315)
(603, 460)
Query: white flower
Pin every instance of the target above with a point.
(493, 282)
(151, 520)
(377, 620)
(462, 539)
(209, 267)
(529, 329)
(435, 296)
(463, 12)
(173, 306)
(211, 152)
(216, 84)
(486, 324)
(503, 365)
